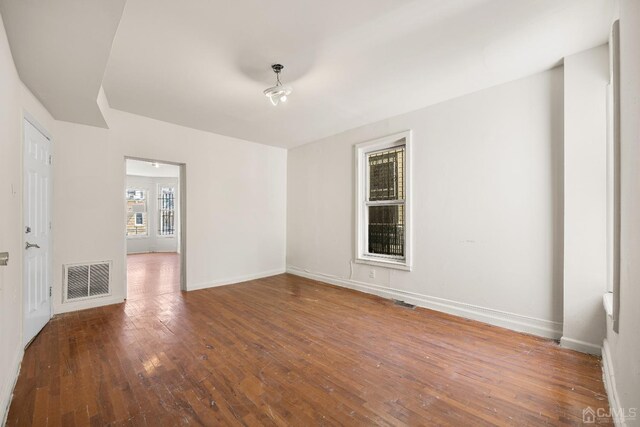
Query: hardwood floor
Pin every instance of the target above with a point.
(152, 274)
(291, 351)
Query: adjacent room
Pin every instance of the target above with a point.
(153, 228)
(373, 212)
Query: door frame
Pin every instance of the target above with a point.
(182, 183)
(28, 117)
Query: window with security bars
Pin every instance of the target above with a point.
(137, 221)
(385, 202)
(166, 211)
(382, 207)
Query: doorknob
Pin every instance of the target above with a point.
(31, 245)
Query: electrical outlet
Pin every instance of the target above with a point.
(372, 274)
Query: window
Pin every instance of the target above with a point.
(139, 219)
(166, 211)
(383, 201)
(136, 212)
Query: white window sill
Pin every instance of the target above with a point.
(398, 265)
(607, 302)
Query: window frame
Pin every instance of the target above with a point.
(159, 189)
(362, 150)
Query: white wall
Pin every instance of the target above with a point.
(236, 198)
(621, 355)
(152, 242)
(487, 207)
(15, 100)
(586, 75)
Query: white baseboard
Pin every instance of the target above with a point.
(232, 280)
(86, 304)
(7, 388)
(516, 322)
(581, 346)
(168, 251)
(608, 375)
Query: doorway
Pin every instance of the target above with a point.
(154, 205)
(37, 260)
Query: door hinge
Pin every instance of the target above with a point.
(50, 290)
(50, 159)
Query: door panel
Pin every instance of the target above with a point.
(37, 231)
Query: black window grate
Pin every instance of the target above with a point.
(386, 175)
(166, 208)
(386, 230)
(386, 194)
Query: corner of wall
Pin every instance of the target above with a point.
(6, 392)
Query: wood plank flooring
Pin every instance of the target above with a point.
(291, 351)
(152, 274)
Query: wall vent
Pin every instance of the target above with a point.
(87, 280)
(403, 304)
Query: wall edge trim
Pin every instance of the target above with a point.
(581, 346)
(6, 395)
(609, 379)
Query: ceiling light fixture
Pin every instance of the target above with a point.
(277, 93)
(155, 164)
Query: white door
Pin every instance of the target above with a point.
(37, 231)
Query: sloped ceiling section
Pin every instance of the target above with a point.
(204, 63)
(61, 49)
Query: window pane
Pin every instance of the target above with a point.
(136, 212)
(386, 174)
(386, 230)
(166, 208)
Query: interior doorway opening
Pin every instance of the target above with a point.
(154, 206)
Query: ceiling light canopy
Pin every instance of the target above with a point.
(277, 93)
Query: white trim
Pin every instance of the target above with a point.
(516, 322)
(6, 393)
(581, 346)
(608, 375)
(234, 280)
(381, 262)
(607, 303)
(361, 170)
(88, 303)
(168, 251)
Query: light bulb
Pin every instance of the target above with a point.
(283, 98)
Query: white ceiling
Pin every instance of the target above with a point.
(142, 168)
(204, 63)
(61, 49)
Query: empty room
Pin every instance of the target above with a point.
(333, 213)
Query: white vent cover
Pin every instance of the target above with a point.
(87, 280)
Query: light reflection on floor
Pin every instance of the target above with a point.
(152, 274)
